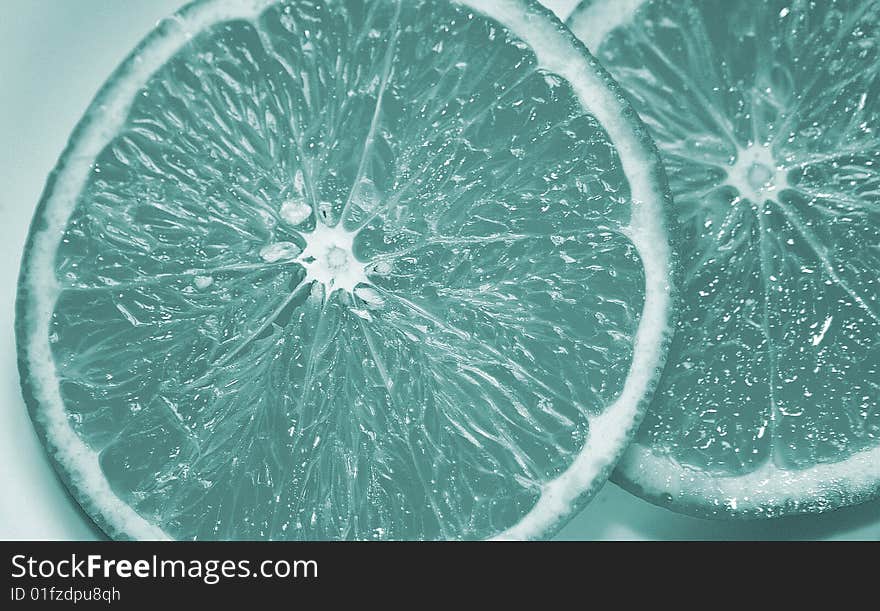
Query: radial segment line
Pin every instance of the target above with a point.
(320, 325)
(719, 120)
(336, 118)
(160, 278)
(839, 198)
(764, 257)
(308, 180)
(394, 200)
(822, 255)
(387, 71)
(250, 338)
(507, 238)
(389, 388)
(515, 367)
(820, 158)
(807, 94)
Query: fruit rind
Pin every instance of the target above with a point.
(768, 492)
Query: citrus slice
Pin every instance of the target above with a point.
(766, 114)
(346, 270)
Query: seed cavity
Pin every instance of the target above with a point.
(381, 268)
(371, 298)
(203, 282)
(280, 251)
(295, 211)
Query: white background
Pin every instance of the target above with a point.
(54, 55)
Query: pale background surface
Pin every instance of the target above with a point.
(55, 54)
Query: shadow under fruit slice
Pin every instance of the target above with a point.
(346, 270)
(766, 113)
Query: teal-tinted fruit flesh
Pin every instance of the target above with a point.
(767, 114)
(444, 369)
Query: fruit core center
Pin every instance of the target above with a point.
(329, 259)
(337, 258)
(759, 176)
(756, 175)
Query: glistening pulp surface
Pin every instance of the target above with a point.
(347, 270)
(766, 113)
